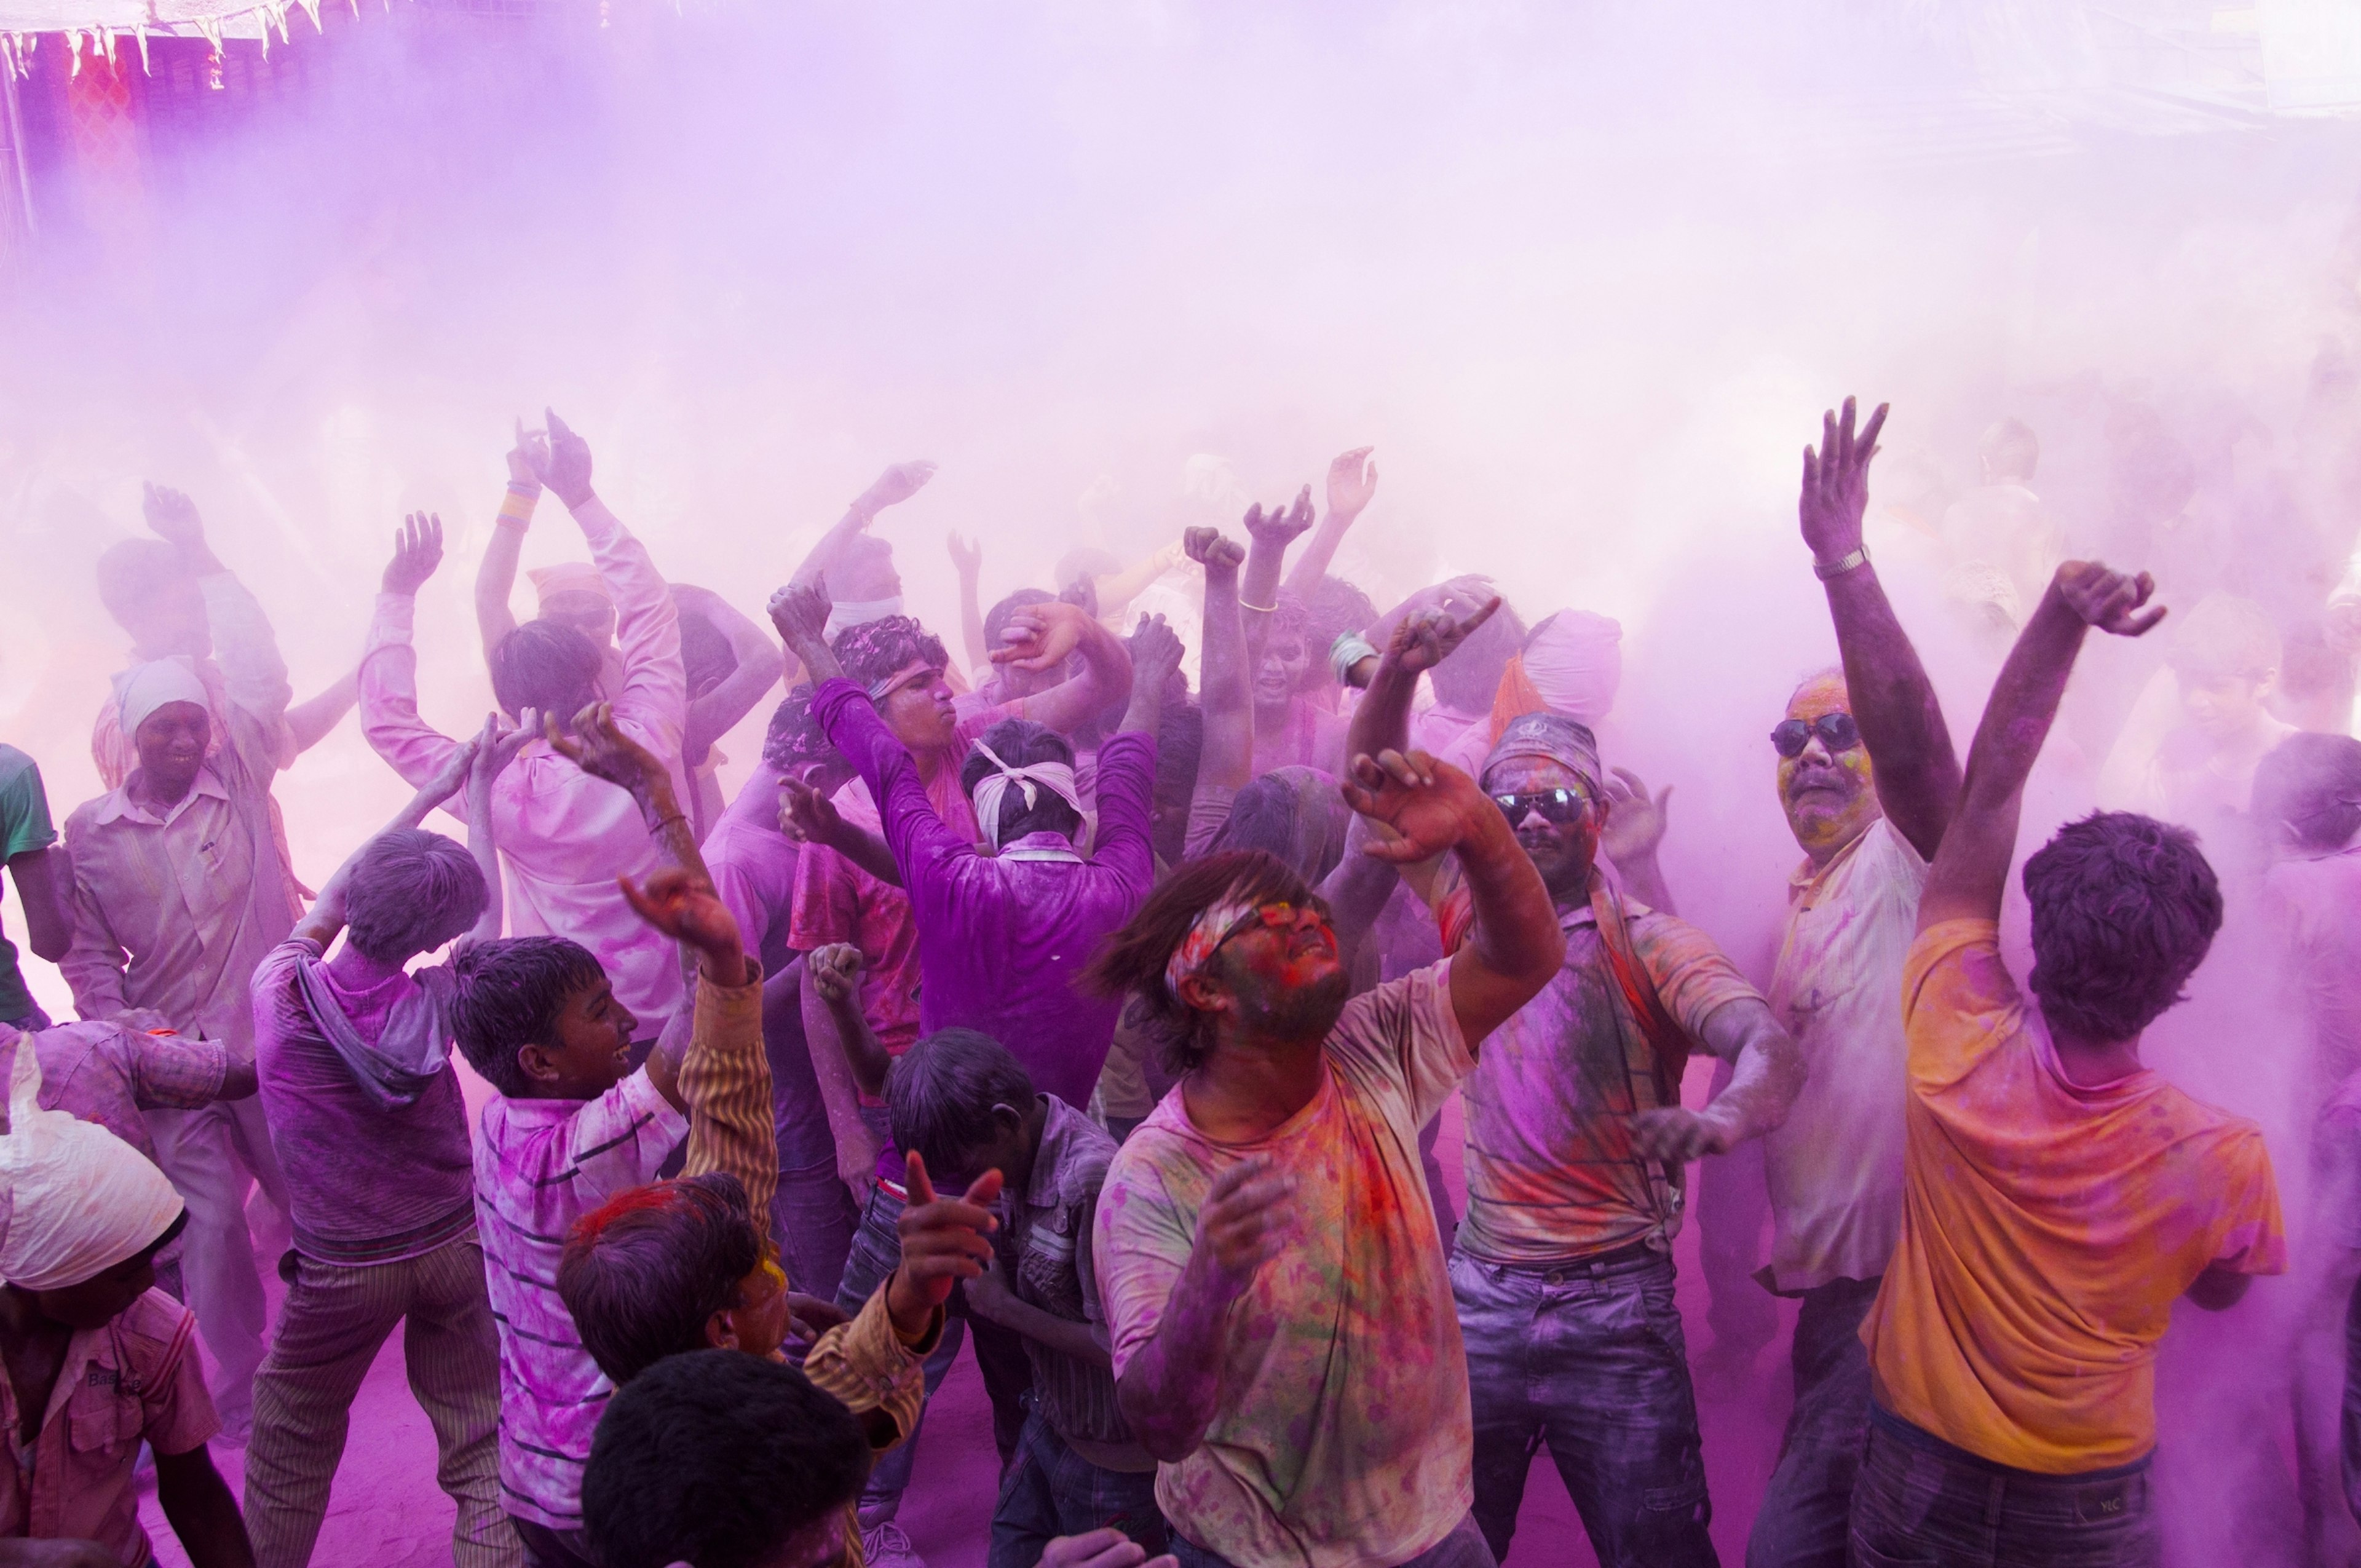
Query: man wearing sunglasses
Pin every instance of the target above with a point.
(1562, 1271)
(1867, 777)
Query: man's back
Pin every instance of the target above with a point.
(2049, 1228)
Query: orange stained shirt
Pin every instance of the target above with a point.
(2047, 1227)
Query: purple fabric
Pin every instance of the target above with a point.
(752, 864)
(364, 1185)
(1001, 941)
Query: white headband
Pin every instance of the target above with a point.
(142, 689)
(989, 790)
(845, 614)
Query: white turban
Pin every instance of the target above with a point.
(143, 688)
(75, 1199)
(1575, 663)
(1058, 778)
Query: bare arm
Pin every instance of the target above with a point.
(1970, 869)
(1117, 589)
(760, 664)
(992, 1297)
(326, 919)
(1051, 631)
(1228, 759)
(495, 578)
(898, 483)
(1893, 703)
(308, 723)
(856, 1146)
(198, 1505)
(1271, 533)
(1767, 1073)
(1352, 480)
(811, 817)
(967, 559)
(44, 885)
(834, 973)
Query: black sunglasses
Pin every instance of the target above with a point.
(1837, 732)
(1559, 805)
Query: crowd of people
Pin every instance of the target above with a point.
(1047, 999)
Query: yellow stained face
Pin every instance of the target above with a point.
(1828, 792)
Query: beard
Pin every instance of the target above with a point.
(1305, 1012)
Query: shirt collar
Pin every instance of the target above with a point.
(1044, 845)
(120, 803)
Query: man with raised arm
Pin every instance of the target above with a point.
(565, 834)
(1867, 778)
(1283, 1337)
(2058, 1197)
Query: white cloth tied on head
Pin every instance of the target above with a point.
(1057, 777)
(1575, 663)
(140, 690)
(74, 1199)
(845, 614)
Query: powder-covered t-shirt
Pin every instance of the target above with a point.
(1344, 1434)
(1835, 1165)
(2048, 1226)
(24, 827)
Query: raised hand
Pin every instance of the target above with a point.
(1105, 1548)
(1635, 820)
(799, 615)
(682, 905)
(1352, 480)
(835, 973)
(1680, 1134)
(1041, 636)
(171, 516)
(417, 550)
(1155, 652)
(453, 773)
(967, 556)
(1835, 483)
(898, 483)
(496, 746)
(944, 1240)
(529, 457)
(2112, 601)
(1281, 527)
(604, 751)
(1212, 550)
(565, 465)
(806, 816)
(1428, 637)
(1248, 1219)
(1431, 807)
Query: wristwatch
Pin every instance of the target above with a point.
(1826, 570)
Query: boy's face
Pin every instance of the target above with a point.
(2221, 707)
(592, 1053)
(1007, 1150)
(97, 1302)
(756, 1321)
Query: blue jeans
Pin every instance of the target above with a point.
(1920, 1503)
(1803, 1521)
(1463, 1548)
(1052, 1491)
(1587, 1357)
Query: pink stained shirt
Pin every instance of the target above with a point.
(135, 1380)
(565, 836)
(105, 1074)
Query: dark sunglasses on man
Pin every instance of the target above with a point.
(1558, 806)
(1837, 732)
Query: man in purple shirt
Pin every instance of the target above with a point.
(367, 1119)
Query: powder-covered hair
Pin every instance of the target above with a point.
(717, 1458)
(706, 656)
(2012, 449)
(2224, 637)
(1132, 960)
(643, 1273)
(1336, 607)
(509, 994)
(2125, 908)
(941, 1093)
(1470, 678)
(876, 648)
(1021, 742)
(546, 664)
(795, 737)
(997, 618)
(410, 891)
(2309, 788)
(130, 572)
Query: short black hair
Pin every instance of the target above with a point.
(941, 1093)
(875, 650)
(410, 891)
(1470, 678)
(2309, 786)
(546, 664)
(1336, 606)
(1021, 742)
(643, 1271)
(795, 737)
(997, 618)
(706, 656)
(509, 994)
(1131, 962)
(2125, 908)
(717, 1458)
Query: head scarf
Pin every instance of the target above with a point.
(140, 690)
(1208, 931)
(75, 1199)
(1056, 777)
(1572, 664)
(1554, 736)
(845, 614)
(569, 576)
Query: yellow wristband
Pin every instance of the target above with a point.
(517, 508)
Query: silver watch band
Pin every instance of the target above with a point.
(1824, 570)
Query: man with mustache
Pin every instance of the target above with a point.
(1868, 778)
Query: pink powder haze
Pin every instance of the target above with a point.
(1585, 275)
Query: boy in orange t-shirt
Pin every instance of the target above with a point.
(2058, 1195)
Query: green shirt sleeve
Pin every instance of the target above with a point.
(23, 805)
